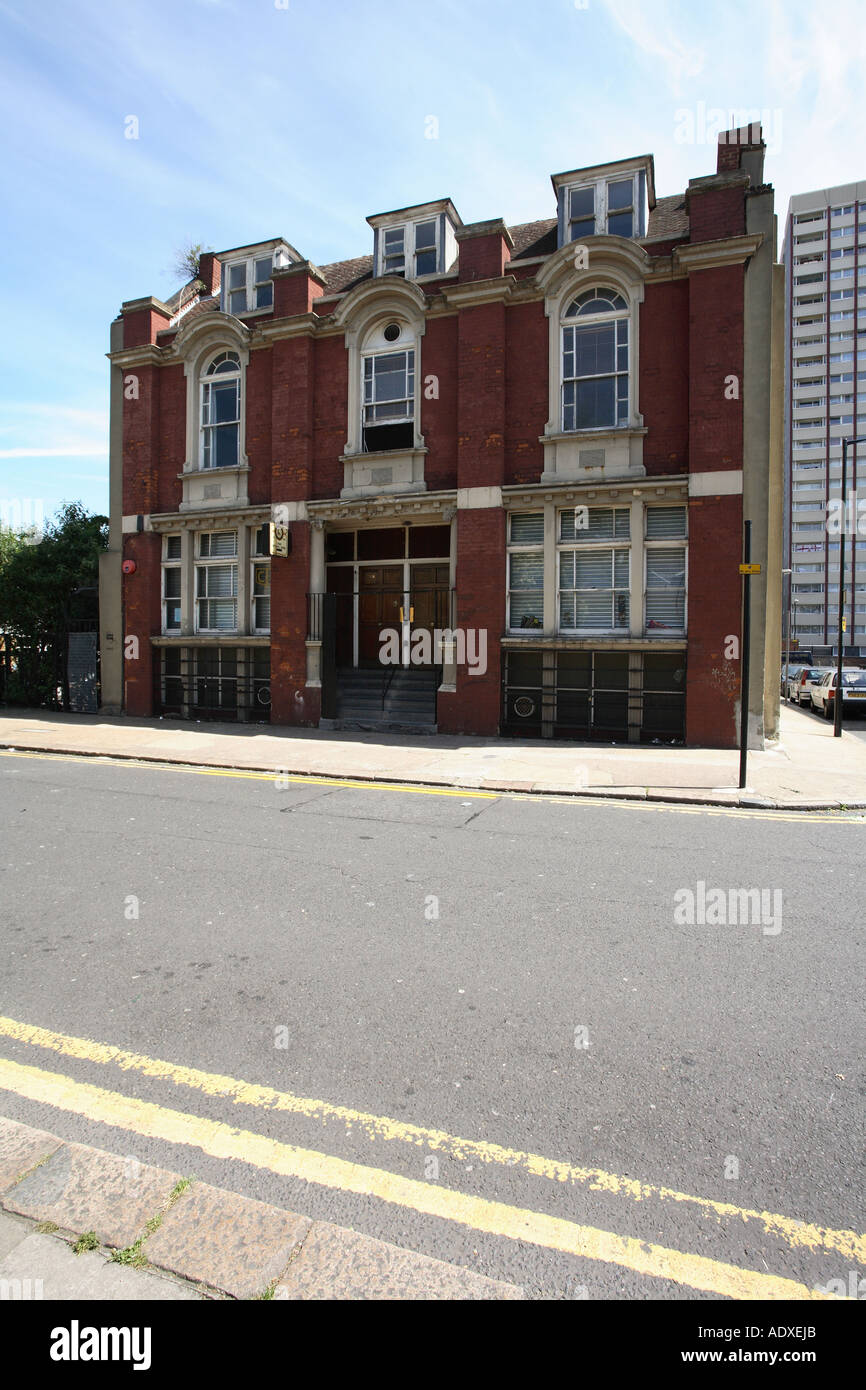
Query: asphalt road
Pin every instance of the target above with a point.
(511, 972)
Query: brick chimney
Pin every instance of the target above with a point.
(742, 148)
(209, 271)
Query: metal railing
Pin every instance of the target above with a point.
(219, 683)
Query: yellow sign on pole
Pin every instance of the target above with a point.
(750, 569)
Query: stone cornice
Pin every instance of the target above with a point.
(476, 292)
(519, 494)
(489, 228)
(711, 255)
(147, 355)
(608, 436)
(201, 639)
(135, 306)
(400, 508)
(298, 268)
(208, 516)
(608, 642)
(292, 326)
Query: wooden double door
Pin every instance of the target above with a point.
(404, 597)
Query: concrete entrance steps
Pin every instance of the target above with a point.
(400, 700)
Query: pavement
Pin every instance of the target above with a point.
(807, 769)
(78, 1223)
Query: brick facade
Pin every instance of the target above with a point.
(483, 433)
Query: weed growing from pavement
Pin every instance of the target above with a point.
(134, 1254)
(89, 1241)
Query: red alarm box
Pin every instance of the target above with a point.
(129, 567)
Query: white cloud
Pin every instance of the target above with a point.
(652, 31)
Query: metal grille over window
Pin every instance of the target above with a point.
(214, 683)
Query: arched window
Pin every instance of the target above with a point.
(388, 386)
(595, 361)
(221, 412)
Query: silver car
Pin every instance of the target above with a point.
(853, 692)
(807, 680)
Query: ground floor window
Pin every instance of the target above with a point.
(611, 696)
(232, 683)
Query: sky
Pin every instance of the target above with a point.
(255, 119)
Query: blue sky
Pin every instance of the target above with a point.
(298, 118)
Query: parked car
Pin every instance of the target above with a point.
(807, 679)
(793, 673)
(853, 693)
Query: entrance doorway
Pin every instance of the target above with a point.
(384, 581)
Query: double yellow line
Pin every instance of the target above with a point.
(480, 1214)
(407, 788)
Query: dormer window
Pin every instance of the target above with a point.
(249, 285)
(394, 251)
(605, 200)
(606, 205)
(426, 252)
(411, 250)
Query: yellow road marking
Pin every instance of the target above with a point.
(372, 784)
(480, 1214)
(846, 1244)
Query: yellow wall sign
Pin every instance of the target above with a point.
(280, 539)
(750, 569)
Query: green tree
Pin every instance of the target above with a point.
(39, 589)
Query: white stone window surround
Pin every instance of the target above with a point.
(198, 342)
(365, 314)
(550, 507)
(621, 265)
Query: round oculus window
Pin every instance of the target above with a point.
(524, 706)
(392, 332)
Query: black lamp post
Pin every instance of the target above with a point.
(837, 703)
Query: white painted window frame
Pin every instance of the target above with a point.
(615, 316)
(411, 250)
(205, 562)
(673, 543)
(258, 561)
(251, 285)
(602, 212)
(174, 563)
(206, 382)
(584, 547)
(522, 548)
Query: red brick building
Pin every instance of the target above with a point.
(540, 440)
